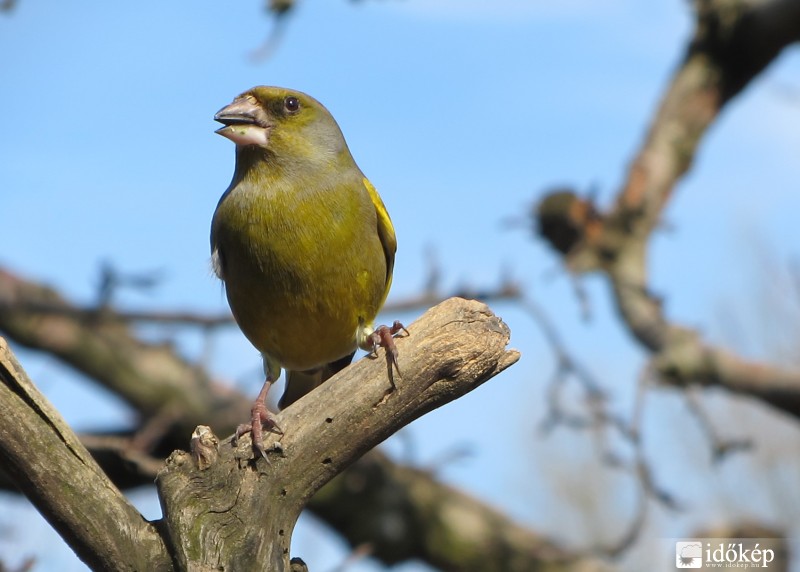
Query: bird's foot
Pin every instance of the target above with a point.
(383, 336)
(260, 418)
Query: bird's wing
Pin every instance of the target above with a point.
(385, 233)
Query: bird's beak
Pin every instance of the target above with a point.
(245, 122)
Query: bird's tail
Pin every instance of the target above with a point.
(298, 383)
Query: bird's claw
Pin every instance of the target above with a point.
(260, 418)
(383, 336)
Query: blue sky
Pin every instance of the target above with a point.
(460, 113)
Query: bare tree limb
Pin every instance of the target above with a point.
(127, 465)
(54, 470)
(116, 453)
(734, 40)
(453, 348)
(456, 347)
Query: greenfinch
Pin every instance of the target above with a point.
(303, 243)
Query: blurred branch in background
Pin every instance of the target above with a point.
(111, 281)
(280, 11)
(600, 420)
(733, 41)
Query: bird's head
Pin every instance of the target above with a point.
(286, 124)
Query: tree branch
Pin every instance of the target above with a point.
(432, 373)
(54, 470)
(734, 40)
(453, 348)
(119, 455)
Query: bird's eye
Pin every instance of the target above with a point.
(291, 104)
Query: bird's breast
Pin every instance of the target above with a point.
(301, 271)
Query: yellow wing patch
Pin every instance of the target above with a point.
(385, 232)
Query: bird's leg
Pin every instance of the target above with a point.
(260, 417)
(383, 336)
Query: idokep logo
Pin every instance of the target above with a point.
(689, 554)
(709, 553)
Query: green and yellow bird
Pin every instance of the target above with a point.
(303, 243)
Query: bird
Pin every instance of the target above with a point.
(303, 244)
